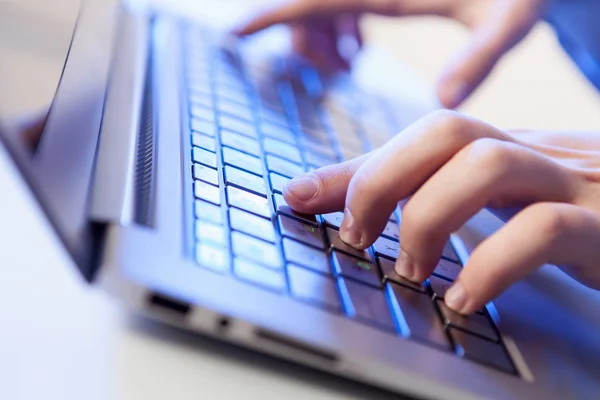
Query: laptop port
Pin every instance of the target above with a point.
(169, 304)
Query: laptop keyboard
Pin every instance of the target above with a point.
(252, 129)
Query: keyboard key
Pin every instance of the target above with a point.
(206, 174)
(386, 247)
(255, 250)
(252, 225)
(312, 287)
(439, 286)
(390, 274)
(306, 256)
(391, 231)
(336, 243)
(207, 212)
(259, 275)
(348, 154)
(230, 93)
(271, 115)
(447, 269)
(481, 350)
(204, 191)
(247, 201)
(202, 126)
(418, 317)
(277, 182)
(283, 167)
(202, 112)
(368, 304)
(208, 232)
(334, 219)
(203, 141)
(301, 231)
(449, 253)
(318, 161)
(242, 160)
(212, 257)
(355, 268)
(282, 208)
(236, 110)
(282, 149)
(240, 142)
(318, 148)
(278, 132)
(245, 180)
(475, 323)
(201, 98)
(238, 126)
(204, 157)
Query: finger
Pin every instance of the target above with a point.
(486, 173)
(318, 42)
(543, 233)
(400, 167)
(349, 38)
(299, 10)
(323, 190)
(505, 27)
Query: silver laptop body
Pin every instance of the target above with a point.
(151, 181)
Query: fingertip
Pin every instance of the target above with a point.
(301, 190)
(453, 92)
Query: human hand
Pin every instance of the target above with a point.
(445, 168)
(320, 28)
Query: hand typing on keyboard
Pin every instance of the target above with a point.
(447, 167)
(327, 32)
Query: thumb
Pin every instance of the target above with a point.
(503, 28)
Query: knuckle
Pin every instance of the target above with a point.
(553, 220)
(449, 123)
(493, 156)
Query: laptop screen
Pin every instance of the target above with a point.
(54, 61)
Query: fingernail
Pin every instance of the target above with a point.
(404, 266)
(456, 297)
(349, 232)
(455, 93)
(303, 187)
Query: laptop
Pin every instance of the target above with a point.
(161, 162)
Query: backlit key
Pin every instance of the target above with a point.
(245, 180)
(247, 201)
(252, 225)
(282, 208)
(202, 126)
(306, 256)
(301, 231)
(204, 157)
(386, 247)
(206, 174)
(205, 191)
(240, 142)
(336, 243)
(259, 275)
(242, 160)
(355, 268)
(314, 288)
(255, 250)
(283, 167)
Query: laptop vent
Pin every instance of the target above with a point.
(145, 157)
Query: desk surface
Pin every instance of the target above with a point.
(63, 339)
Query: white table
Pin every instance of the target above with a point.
(60, 339)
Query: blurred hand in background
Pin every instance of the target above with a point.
(327, 33)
